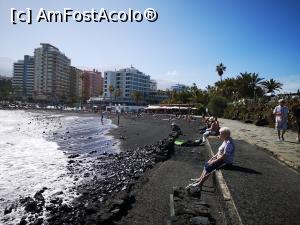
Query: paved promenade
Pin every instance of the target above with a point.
(266, 138)
(264, 191)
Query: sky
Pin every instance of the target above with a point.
(183, 46)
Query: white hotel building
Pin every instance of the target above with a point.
(127, 80)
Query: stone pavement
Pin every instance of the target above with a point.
(266, 138)
(265, 191)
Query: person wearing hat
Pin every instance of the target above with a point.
(281, 119)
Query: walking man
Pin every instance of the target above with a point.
(281, 119)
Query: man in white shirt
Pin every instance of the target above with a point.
(281, 119)
(223, 157)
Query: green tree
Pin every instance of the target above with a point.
(111, 90)
(5, 89)
(248, 84)
(220, 70)
(137, 96)
(217, 105)
(118, 93)
(271, 85)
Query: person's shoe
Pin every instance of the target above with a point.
(282, 138)
(278, 140)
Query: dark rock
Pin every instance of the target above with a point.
(194, 192)
(39, 197)
(38, 221)
(9, 209)
(31, 205)
(56, 200)
(71, 161)
(73, 156)
(23, 221)
(199, 220)
(90, 209)
(92, 152)
(50, 207)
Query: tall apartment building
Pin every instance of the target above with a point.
(127, 81)
(23, 77)
(92, 84)
(52, 74)
(76, 76)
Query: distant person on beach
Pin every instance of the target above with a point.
(213, 130)
(118, 118)
(101, 117)
(281, 119)
(175, 128)
(296, 112)
(224, 156)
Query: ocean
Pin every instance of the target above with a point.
(34, 151)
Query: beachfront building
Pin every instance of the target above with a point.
(23, 77)
(92, 83)
(153, 85)
(51, 74)
(75, 83)
(178, 87)
(123, 84)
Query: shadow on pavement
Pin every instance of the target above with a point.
(293, 142)
(240, 168)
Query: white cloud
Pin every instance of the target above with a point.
(291, 83)
(172, 73)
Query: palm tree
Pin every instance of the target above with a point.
(118, 93)
(248, 84)
(220, 70)
(111, 90)
(136, 95)
(272, 85)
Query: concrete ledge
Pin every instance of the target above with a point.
(233, 214)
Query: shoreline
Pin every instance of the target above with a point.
(109, 177)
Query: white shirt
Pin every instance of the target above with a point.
(227, 147)
(282, 113)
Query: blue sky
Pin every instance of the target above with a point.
(184, 45)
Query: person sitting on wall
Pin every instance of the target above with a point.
(213, 130)
(224, 157)
(207, 121)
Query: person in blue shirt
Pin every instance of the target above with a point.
(224, 156)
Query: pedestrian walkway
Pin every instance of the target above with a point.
(266, 138)
(264, 191)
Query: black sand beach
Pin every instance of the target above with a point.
(152, 192)
(133, 186)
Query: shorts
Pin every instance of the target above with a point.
(281, 125)
(211, 167)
